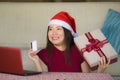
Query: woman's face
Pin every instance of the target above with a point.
(56, 34)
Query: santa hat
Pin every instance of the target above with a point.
(65, 20)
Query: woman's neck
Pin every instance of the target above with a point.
(60, 47)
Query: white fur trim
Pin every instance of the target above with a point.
(62, 23)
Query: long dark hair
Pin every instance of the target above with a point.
(69, 42)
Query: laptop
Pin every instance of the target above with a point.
(11, 62)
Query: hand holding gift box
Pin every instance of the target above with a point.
(94, 45)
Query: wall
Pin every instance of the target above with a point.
(20, 23)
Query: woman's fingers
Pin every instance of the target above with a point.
(103, 64)
(102, 61)
(108, 61)
(31, 53)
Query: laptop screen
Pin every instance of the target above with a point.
(11, 60)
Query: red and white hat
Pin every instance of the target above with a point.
(64, 19)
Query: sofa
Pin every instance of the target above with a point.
(21, 23)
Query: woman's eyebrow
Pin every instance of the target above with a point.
(58, 26)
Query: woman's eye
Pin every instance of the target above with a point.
(58, 28)
(50, 29)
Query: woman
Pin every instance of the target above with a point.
(61, 54)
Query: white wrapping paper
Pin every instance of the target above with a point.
(93, 57)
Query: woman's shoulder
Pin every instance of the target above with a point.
(76, 52)
(42, 51)
(74, 47)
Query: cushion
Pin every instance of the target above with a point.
(111, 29)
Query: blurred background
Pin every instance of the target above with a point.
(59, 0)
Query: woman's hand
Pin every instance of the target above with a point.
(32, 55)
(103, 64)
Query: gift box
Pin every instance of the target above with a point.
(93, 45)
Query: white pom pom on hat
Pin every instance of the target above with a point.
(65, 20)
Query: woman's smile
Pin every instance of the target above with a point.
(56, 34)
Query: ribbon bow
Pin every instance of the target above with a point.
(95, 45)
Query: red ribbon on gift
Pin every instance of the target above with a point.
(94, 44)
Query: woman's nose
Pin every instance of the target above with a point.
(54, 32)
